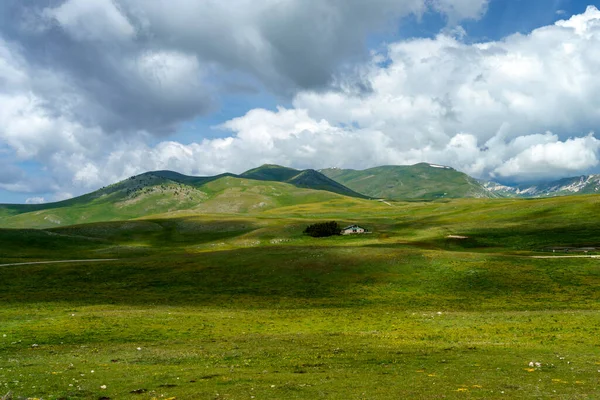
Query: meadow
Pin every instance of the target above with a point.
(243, 306)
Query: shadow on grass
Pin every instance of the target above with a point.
(203, 278)
(536, 237)
(34, 243)
(84, 241)
(533, 235)
(297, 277)
(163, 232)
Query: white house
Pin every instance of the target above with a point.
(353, 229)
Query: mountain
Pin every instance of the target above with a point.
(585, 184)
(271, 172)
(162, 192)
(309, 179)
(420, 181)
(185, 179)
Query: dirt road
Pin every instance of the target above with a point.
(565, 256)
(60, 261)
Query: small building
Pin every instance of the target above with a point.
(353, 229)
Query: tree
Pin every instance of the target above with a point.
(323, 229)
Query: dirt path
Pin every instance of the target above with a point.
(60, 261)
(384, 202)
(565, 256)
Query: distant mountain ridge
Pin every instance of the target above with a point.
(584, 184)
(308, 178)
(159, 192)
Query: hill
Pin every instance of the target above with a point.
(159, 192)
(309, 179)
(271, 172)
(420, 181)
(166, 192)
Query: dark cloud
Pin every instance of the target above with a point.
(129, 65)
(288, 45)
(121, 83)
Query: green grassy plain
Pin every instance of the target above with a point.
(242, 305)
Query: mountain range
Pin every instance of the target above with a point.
(159, 192)
(431, 181)
(585, 184)
(272, 186)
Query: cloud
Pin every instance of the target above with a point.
(284, 44)
(92, 20)
(457, 10)
(555, 157)
(129, 65)
(516, 109)
(87, 82)
(88, 62)
(35, 200)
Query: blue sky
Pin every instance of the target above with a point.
(502, 18)
(94, 91)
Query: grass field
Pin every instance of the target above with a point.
(243, 306)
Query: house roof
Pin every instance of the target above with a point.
(352, 226)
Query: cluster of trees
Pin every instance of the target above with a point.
(323, 229)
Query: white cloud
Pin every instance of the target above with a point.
(35, 200)
(544, 159)
(171, 75)
(585, 24)
(519, 108)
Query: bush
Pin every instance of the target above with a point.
(323, 229)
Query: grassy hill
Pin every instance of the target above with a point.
(271, 172)
(420, 181)
(309, 179)
(159, 193)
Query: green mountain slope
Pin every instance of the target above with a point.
(309, 179)
(185, 179)
(271, 172)
(420, 181)
(112, 193)
(160, 192)
(155, 193)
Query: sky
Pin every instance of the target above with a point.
(95, 91)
